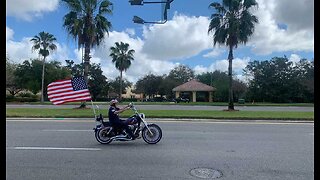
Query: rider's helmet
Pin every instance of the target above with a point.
(113, 102)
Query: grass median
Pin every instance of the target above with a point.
(194, 114)
(185, 104)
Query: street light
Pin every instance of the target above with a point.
(139, 20)
(141, 2)
(136, 2)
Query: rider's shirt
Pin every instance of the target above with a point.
(113, 117)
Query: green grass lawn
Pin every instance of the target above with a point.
(191, 103)
(194, 114)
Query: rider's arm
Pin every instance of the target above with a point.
(121, 110)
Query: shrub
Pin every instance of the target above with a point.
(26, 99)
(25, 94)
(10, 98)
(101, 99)
(129, 100)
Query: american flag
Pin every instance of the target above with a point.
(68, 90)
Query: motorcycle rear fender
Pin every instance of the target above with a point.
(104, 124)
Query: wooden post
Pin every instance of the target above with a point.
(210, 96)
(194, 96)
(177, 94)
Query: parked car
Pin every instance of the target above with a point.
(180, 99)
(155, 99)
(159, 99)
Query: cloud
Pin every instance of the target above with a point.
(215, 52)
(9, 33)
(60, 54)
(179, 38)
(29, 9)
(298, 15)
(130, 31)
(295, 58)
(141, 65)
(20, 51)
(222, 65)
(269, 38)
(186, 36)
(163, 46)
(145, 66)
(199, 69)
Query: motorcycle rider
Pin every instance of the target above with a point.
(115, 121)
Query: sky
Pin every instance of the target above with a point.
(285, 28)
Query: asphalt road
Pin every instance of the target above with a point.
(66, 149)
(181, 107)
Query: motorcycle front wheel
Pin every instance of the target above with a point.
(101, 135)
(153, 138)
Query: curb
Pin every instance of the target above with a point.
(179, 120)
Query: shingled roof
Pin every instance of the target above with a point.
(193, 85)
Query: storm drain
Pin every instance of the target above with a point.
(205, 173)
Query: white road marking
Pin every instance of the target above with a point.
(66, 130)
(55, 148)
(47, 120)
(244, 122)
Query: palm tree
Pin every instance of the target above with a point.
(122, 57)
(232, 23)
(44, 43)
(86, 23)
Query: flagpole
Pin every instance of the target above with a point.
(93, 110)
(98, 123)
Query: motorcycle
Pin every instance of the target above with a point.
(105, 133)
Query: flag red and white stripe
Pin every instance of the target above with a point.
(68, 90)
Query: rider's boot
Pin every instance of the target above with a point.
(137, 136)
(131, 136)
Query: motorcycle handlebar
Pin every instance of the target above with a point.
(132, 107)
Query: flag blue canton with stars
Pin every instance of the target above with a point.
(78, 83)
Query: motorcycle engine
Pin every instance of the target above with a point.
(131, 127)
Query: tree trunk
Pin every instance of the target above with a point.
(120, 86)
(230, 58)
(86, 61)
(42, 79)
(86, 67)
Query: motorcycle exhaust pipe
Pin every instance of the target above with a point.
(120, 138)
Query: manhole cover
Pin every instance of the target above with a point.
(205, 173)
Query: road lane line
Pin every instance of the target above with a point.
(235, 122)
(55, 148)
(66, 130)
(46, 120)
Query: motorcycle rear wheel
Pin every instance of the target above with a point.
(153, 138)
(101, 135)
